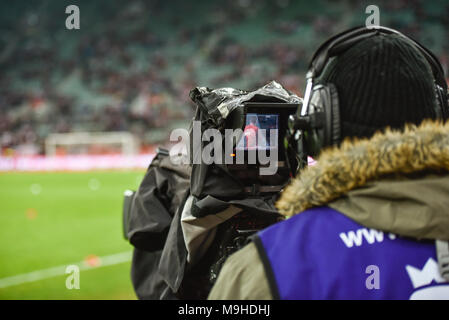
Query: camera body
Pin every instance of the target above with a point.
(263, 127)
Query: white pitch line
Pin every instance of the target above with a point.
(60, 270)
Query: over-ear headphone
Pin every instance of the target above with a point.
(317, 123)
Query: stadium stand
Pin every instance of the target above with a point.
(131, 65)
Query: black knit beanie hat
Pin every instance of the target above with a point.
(382, 81)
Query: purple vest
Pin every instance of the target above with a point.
(322, 254)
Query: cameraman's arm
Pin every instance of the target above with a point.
(242, 277)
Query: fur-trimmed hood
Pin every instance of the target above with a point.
(357, 164)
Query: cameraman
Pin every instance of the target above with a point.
(365, 218)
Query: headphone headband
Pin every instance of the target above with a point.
(343, 41)
(311, 135)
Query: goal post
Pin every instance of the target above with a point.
(91, 143)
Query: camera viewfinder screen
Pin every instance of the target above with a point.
(253, 138)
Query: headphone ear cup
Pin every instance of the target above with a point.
(445, 103)
(315, 137)
(442, 111)
(325, 100)
(323, 105)
(333, 124)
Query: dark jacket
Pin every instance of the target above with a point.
(397, 182)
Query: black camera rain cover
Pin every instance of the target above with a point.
(159, 259)
(217, 104)
(213, 107)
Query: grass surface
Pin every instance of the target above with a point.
(53, 219)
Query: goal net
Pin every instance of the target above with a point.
(76, 143)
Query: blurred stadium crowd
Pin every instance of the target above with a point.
(132, 64)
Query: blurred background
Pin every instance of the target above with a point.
(82, 111)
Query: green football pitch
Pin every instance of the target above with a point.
(52, 220)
